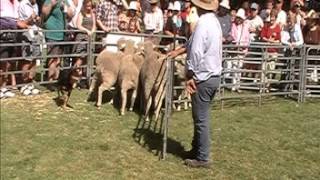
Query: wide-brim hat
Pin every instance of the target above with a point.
(205, 4)
(153, 1)
(225, 4)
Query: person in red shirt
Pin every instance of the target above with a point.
(271, 33)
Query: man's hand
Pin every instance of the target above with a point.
(191, 86)
(173, 54)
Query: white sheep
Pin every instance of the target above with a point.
(152, 77)
(128, 78)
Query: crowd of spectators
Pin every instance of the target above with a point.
(242, 23)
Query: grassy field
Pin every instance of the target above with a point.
(280, 140)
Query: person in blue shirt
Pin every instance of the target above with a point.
(203, 70)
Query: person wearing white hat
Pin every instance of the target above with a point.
(176, 14)
(225, 20)
(133, 19)
(204, 66)
(241, 36)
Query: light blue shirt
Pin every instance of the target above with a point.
(204, 49)
(294, 36)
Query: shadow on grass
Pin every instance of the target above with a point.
(150, 135)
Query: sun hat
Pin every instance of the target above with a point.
(241, 14)
(225, 4)
(133, 5)
(205, 4)
(176, 6)
(170, 6)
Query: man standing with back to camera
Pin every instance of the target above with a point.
(204, 66)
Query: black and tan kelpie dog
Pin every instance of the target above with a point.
(68, 80)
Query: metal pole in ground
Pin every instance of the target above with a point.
(168, 106)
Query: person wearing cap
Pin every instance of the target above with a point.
(225, 20)
(255, 22)
(134, 20)
(264, 14)
(107, 15)
(153, 20)
(204, 66)
(241, 37)
(174, 20)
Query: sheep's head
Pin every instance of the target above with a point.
(121, 44)
(129, 47)
(148, 47)
(139, 48)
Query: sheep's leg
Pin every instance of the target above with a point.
(92, 86)
(179, 103)
(102, 88)
(133, 99)
(124, 101)
(93, 83)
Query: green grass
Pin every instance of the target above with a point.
(280, 140)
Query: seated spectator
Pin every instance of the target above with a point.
(296, 8)
(86, 22)
(134, 19)
(241, 37)
(54, 19)
(270, 33)
(255, 22)
(265, 13)
(107, 15)
(28, 12)
(153, 20)
(225, 21)
(282, 15)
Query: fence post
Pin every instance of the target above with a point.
(168, 104)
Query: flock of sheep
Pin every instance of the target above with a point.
(140, 68)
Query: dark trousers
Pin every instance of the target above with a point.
(201, 101)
